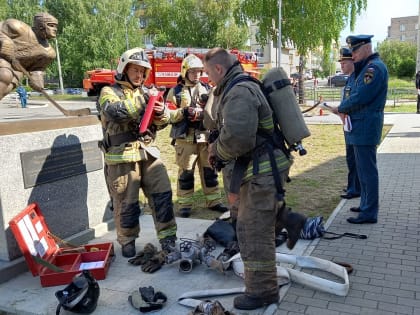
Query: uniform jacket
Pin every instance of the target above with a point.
(364, 101)
(243, 114)
(185, 95)
(121, 110)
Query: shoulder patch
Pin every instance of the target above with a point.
(369, 75)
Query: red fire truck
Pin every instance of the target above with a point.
(166, 67)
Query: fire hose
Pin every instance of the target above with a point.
(313, 106)
(191, 299)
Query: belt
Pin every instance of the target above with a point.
(121, 138)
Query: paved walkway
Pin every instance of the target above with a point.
(386, 276)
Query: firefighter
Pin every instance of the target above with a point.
(23, 48)
(190, 138)
(245, 124)
(132, 162)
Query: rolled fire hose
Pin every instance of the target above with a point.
(190, 299)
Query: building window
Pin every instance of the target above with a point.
(402, 38)
(402, 27)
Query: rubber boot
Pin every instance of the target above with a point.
(248, 302)
(219, 208)
(129, 250)
(185, 212)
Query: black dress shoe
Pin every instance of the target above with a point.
(361, 220)
(349, 196)
(355, 209)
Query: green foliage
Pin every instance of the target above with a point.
(22, 10)
(399, 57)
(306, 23)
(394, 82)
(194, 23)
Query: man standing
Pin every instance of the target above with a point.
(353, 184)
(364, 102)
(245, 124)
(190, 138)
(418, 91)
(132, 162)
(23, 48)
(21, 91)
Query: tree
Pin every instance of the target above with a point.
(399, 57)
(308, 24)
(194, 23)
(91, 34)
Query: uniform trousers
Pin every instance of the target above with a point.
(257, 215)
(369, 180)
(353, 184)
(188, 156)
(124, 182)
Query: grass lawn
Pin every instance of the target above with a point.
(317, 179)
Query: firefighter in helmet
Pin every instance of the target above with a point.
(25, 49)
(132, 162)
(190, 138)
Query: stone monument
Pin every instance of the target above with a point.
(54, 161)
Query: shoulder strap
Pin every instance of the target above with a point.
(242, 78)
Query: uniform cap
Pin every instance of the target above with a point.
(356, 41)
(345, 53)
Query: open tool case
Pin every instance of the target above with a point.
(56, 265)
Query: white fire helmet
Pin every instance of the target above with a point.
(190, 62)
(135, 56)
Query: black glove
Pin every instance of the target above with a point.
(154, 263)
(144, 255)
(147, 300)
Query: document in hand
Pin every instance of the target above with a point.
(347, 123)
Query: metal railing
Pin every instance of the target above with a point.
(333, 94)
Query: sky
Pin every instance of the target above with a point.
(377, 17)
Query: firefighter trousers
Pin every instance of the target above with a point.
(188, 156)
(257, 216)
(124, 182)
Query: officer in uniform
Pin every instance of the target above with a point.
(364, 102)
(190, 138)
(245, 124)
(353, 184)
(132, 162)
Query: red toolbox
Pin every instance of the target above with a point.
(55, 265)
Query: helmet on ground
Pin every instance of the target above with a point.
(135, 56)
(190, 62)
(80, 296)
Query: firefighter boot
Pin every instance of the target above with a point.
(294, 224)
(129, 249)
(185, 212)
(219, 208)
(249, 302)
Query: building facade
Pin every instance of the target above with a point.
(404, 29)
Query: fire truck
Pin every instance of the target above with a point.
(166, 68)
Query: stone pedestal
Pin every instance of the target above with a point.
(56, 163)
